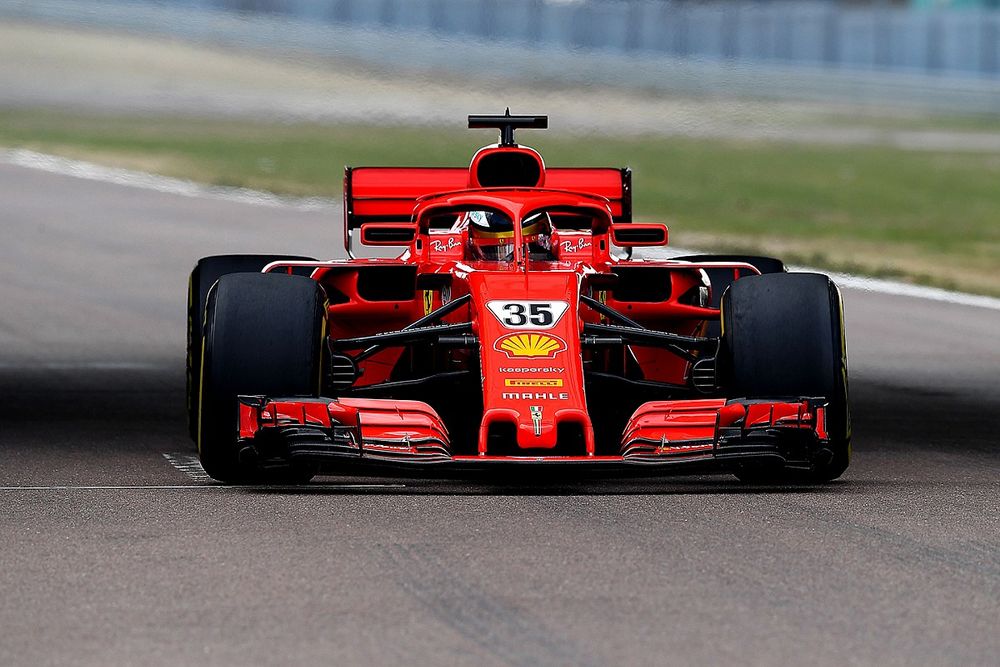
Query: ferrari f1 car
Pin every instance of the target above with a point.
(514, 328)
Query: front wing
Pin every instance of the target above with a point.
(682, 436)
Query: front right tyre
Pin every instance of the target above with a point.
(202, 278)
(264, 335)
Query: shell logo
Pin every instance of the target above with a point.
(530, 346)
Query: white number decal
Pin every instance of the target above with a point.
(528, 314)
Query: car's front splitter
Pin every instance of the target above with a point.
(672, 437)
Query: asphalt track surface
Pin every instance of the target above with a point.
(114, 555)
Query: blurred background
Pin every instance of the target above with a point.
(138, 136)
(855, 136)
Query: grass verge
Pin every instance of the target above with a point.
(926, 217)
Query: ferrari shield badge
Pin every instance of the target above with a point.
(536, 418)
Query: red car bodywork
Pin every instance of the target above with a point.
(426, 369)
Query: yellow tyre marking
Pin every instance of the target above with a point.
(322, 345)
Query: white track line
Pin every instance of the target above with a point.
(905, 289)
(54, 164)
(140, 179)
(189, 465)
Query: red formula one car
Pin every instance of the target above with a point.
(515, 328)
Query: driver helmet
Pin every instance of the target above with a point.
(491, 234)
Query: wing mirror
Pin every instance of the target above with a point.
(634, 234)
(388, 233)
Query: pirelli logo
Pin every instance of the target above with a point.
(532, 382)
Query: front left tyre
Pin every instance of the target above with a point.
(264, 335)
(783, 338)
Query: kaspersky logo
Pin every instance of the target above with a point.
(530, 346)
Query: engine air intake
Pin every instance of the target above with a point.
(509, 169)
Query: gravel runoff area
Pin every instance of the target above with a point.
(50, 66)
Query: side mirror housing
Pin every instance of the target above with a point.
(639, 234)
(388, 233)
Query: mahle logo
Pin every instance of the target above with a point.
(530, 346)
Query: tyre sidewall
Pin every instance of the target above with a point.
(204, 275)
(783, 338)
(264, 335)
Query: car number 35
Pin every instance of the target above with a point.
(528, 314)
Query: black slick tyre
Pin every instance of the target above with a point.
(203, 276)
(783, 338)
(264, 335)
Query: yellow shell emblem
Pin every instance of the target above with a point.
(530, 345)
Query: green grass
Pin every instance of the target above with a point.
(915, 122)
(928, 217)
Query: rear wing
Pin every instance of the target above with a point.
(389, 194)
